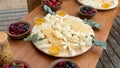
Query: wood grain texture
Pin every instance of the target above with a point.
(27, 52)
(111, 56)
(32, 4)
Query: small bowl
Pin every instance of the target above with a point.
(54, 8)
(17, 62)
(19, 36)
(54, 63)
(87, 12)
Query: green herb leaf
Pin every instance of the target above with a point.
(100, 43)
(40, 39)
(27, 39)
(47, 9)
(34, 38)
(92, 23)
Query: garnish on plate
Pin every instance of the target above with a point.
(34, 38)
(54, 50)
(105, 5)
(39, 21)
(61, 13)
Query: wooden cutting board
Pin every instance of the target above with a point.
(27, 52)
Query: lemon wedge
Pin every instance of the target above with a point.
(39, 21)
(106, 5)
(61, 13)
(54, 50)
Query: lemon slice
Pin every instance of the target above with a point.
(54, 50)
(39, 21)
(61, 13)
(106, 5)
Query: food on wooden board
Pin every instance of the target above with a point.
(63, 35)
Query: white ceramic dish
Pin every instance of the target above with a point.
(97, 5)
(41, 45)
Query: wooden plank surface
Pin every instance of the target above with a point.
(111, 56)
(27, 52)
(32, 4)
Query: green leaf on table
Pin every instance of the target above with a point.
(92, 23)
(34, 38)
(47, 9)
(102, 44)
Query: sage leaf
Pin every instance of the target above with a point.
(34, 38)
(92, 23)
(102, 44)
(47, 9)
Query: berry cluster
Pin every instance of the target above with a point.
(18, 28)
(15, 65)
(53, 3)
(66, 64)
(88, 10)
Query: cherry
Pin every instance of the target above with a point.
(18, 28)
(50, 3)
(53, 1)
(7, 66)
(58, 3)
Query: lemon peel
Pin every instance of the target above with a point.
(105, 5)
(54, 50)
(61, 13)
(39, 21)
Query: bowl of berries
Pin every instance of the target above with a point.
(63, 63)
(19, 30)
(87, 12)
(17, 64)
(53, 4)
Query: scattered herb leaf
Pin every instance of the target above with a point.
(34, 38)
(92, 23)
(102, 44)
(47, 9)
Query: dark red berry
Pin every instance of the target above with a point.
(18, 28)
(7, 66)
(53, 1)
(58, 3)
(50, 4)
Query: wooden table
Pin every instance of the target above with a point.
(27, 52)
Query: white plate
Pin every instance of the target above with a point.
(99, 8)
(62, 54)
